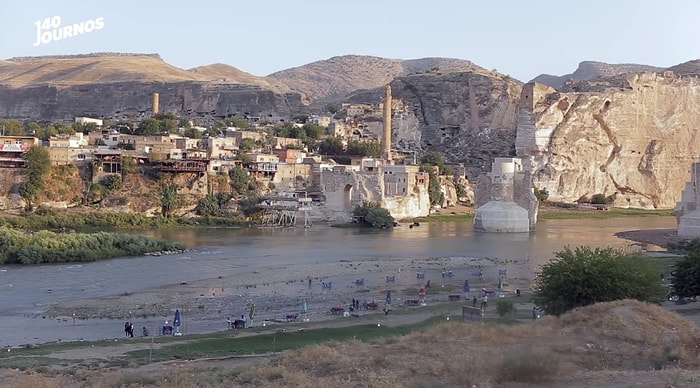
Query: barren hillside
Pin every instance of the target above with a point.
(588, 70)
(687, 68)
(91, 69)
(338, 76)
(223, 73)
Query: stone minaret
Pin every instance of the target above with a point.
(387, 124)
(156, 103)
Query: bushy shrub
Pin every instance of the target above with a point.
(372, 214)
(112, 182)
(584, 276)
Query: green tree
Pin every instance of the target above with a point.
(372, 214)
(505, 308)
(584, 276)
(437, 197)
(333, 108)
(238, 123)
(112, 182)
(241, 183)
(313, 131)
(460, 190)
(38, 164)
(541, 194)
(434, 158)
(169, 199)
(12, 128)
(331, 146)
(148, 127)
(185, 123)
(250, 207)
(193, 133)
(247, 145)
(208, 206)
(168, 125)
(686, 280)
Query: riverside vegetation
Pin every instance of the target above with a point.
(20, 247)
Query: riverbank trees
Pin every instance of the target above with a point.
(20, 247)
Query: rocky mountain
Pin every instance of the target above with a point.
(338, 76)
(588, 70)
(117, 86)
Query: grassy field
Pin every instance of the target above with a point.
(554, 213)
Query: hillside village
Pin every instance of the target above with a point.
(324, 174)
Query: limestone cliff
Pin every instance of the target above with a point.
(634, 137)
(115, 86)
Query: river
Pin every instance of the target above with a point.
(26, 290)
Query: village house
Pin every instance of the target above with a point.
(70, 155)
(284, 142)
(221, 147)
(75, 140)
(289, 155)
(12, 148)
(89, 120)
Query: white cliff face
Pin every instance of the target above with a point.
(637, 141)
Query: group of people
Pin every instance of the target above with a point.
(129, 329)
(356, 305)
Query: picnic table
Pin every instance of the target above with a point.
(337, 310)
(372, 305)
(412, 302)
(454, 297)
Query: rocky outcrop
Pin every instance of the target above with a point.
(469, 116)
(133, 100)
(116, 86)
(635, 139)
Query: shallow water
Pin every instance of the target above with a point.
(26, 290)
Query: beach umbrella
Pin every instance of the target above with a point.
(466, 288)
(177, 321)
(500, 283)
(304, 309)
(251, 313)
(388, 296)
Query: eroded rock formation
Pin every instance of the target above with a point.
(634, 137)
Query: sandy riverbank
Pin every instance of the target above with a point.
(278, 290)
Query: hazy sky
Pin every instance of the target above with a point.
(522, 38)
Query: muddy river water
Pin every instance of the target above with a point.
(26, 290)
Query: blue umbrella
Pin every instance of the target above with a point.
(304, 309)
(466, 288)
(388, 296)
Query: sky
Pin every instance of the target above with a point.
(521, 38)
